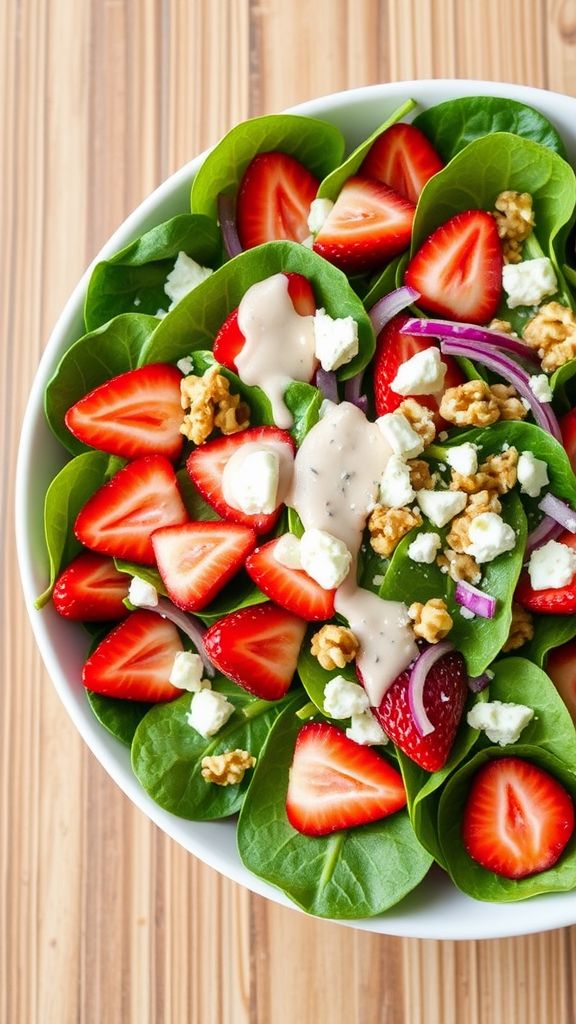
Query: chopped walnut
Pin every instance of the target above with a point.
(227, 769)
(334, 646)
(503, 326)
(508, 402)
(431, 620)
(497, 473)
(514, 219)
(209, 404)
(387, 526)
(420, 476)
(552, 333)
(460, 566)
(485, 501)
(420, 419)
(521, 628)
(470, 405)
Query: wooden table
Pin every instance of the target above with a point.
(103, 920)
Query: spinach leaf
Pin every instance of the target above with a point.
(198, 509)
(549, 631)
(452, 125)
(479, 640)
(66, 495)
(133, 279)
(316, 144)
(119, 717)
(167, 753)
(469, 876)
(92, 360)
(387, 281)
(241, 592)
(144, 572)
(351, 874)
(331, 185)
(195, 321)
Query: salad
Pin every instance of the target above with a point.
(319, 517)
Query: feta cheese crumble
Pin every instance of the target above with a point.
(287, 551)
(489, 537)
(502, 723)
(187, 672)
(365, 730)
(400, 435)
(466, 613)
(342, 698)
(425, 547)
(463, 458)
(395, 487)
(422, 374)
(253, 484)
(325, 558)
(209, 711)
(335, 340)
(185, 365)
(186, 275)
(552, 566)
(528, 282)
(532, 474)
(540, 387)
(142, 594)
(320, 210)
(441, 506)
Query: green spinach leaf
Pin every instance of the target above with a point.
(550, 631)
(119, 717)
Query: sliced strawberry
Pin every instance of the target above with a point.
(336, 783)
(196, 560)
(230, 340)
(91, 590)
(274, 200)
(518, 818)
(445, 693)
(458, 269)
(136, 413)
(258, 648)
(394, 348)
(135, 660)
(554, 601)
(568, 428)
(403, 158)
(292, 589)
(206, 464)
(120, 517)
(368, 225)
(561, 667)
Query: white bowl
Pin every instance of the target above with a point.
(436, 909)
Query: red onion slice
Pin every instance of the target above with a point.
(475, 600)
(353, 392)
(193, 631)
(507, 368)
(469, 332)
(416, 683)
(227, 222)
(559, 511)
(478, 683)
(327, 383)
(547, 529)
(391, 304)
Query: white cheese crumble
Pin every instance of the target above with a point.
(527, 283)
(400, 435)
(187, 672)
(325, 558)
(209, 711)
(395, 487)
(335, 339)
(342, 698)
(489, 537)
(320, 210)
(254, 482)
(422, 374)
(186, 275)
(540, 387)
(142, 594)
(365, 730)
(532, 474)
(441, 506)
(463, 458)
(552, 566)
(466, 613)
(185, 365)
(502, 723)
(425, 547)
(287, 551)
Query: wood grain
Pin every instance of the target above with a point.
(103, 919)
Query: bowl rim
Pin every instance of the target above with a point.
(408, 919)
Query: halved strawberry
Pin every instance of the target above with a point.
(445, 693)
(394, 348)
(206, 464)
(561, 667)
(518, 818)
(121, 516)
(369, 224)
(554, 601)
(568, 428)
(136, 413)
(292, 589)
(274, 200)
(91, 589)
(458, 269)
(230, 340)
(258, 648)
(135, 660)
(337, 784)
(196, 560)
(403, 158)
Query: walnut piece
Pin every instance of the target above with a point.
(208, 404)
(497, 473)
(334, 646)
(521, 628)
(420, 419)
(420, 476)
(552, 333)
(470, 405)
(387, 526)
(508, 402)
(227, 769)
(431, 620)
(503, 326)
(514, 219)
(485, 501)
(460, 566)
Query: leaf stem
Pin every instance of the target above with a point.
(308, 711)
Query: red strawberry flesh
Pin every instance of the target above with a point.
(274, 200)
(403, 158)
(196, 560)
(91, 589)
(135, 660)
(292, 589)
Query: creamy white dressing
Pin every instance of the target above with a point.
(238, 463)
(279, 345)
